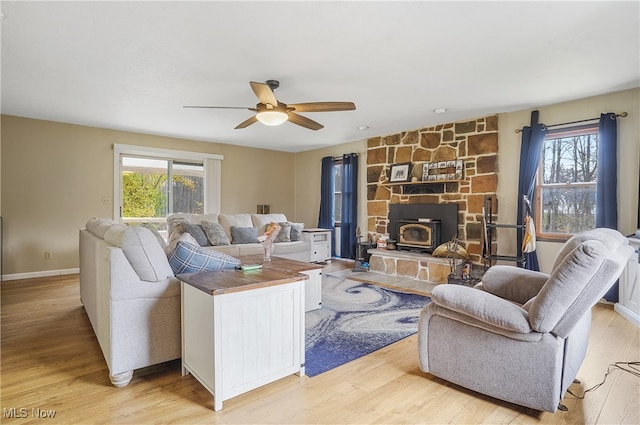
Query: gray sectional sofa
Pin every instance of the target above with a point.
(131, 295)
(297, 248)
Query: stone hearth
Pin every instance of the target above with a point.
(410, 264)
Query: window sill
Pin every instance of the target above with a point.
(558, 239)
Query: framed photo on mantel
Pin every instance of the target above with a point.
(400, 172)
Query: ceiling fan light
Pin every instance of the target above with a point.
(271, 117)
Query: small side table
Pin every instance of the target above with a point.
(242, 330)
(312, 286)
(320, 240)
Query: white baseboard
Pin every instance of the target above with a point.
(46, 273)
(628, 314)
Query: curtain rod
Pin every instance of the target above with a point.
(623, 115)
(342, 156)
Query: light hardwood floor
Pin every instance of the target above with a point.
(51, 361)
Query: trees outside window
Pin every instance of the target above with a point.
(566, 182)
(337, 189)
(147, 197)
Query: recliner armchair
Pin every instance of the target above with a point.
(520, 335)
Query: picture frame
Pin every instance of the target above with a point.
(425, 172)
(400, 172)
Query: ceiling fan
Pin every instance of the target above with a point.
(272, 112)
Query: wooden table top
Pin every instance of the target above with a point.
(279, 263)
(278, 271)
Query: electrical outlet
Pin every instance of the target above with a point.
(106, 200)
(48, 255)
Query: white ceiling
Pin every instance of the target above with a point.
(133, 65)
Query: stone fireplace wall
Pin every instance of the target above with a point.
(475, 142)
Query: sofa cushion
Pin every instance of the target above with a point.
(188, 258)
(261, 221)
(197, 232)
(232, 250)
(142, 250)
(291, 247)
(199, 218)
(156, 233)
(243, 235)
(296, 231)
(228, 220)
(215, 233)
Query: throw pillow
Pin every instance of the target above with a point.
(99, 226)
(242, 235)
(188, 258)
(174, 220)
(197, 232)
(182, 237)
(284, 235)
(215, 233)
(296, 231)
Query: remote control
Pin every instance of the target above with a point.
(246, 267)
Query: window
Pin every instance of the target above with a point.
(153, 188)
(566, 182)
(337, 191)
(151, 183)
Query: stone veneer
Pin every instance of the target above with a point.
(410, 264)
(475, 142)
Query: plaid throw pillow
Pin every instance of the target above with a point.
(187, 258)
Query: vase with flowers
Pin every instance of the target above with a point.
(267, 240)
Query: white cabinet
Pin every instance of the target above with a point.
(320, 240)
(237, 341)
(628, 304)
(313, 290)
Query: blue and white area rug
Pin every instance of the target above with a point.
(356, 319)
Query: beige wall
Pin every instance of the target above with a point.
(55, 176)
(307, 190)
(628, 159)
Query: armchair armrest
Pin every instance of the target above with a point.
(513, 283)
(483, 307)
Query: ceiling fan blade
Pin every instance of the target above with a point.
(264, 93)
(304, 121)
(322, 106)
(219, 107)
(246, 123)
